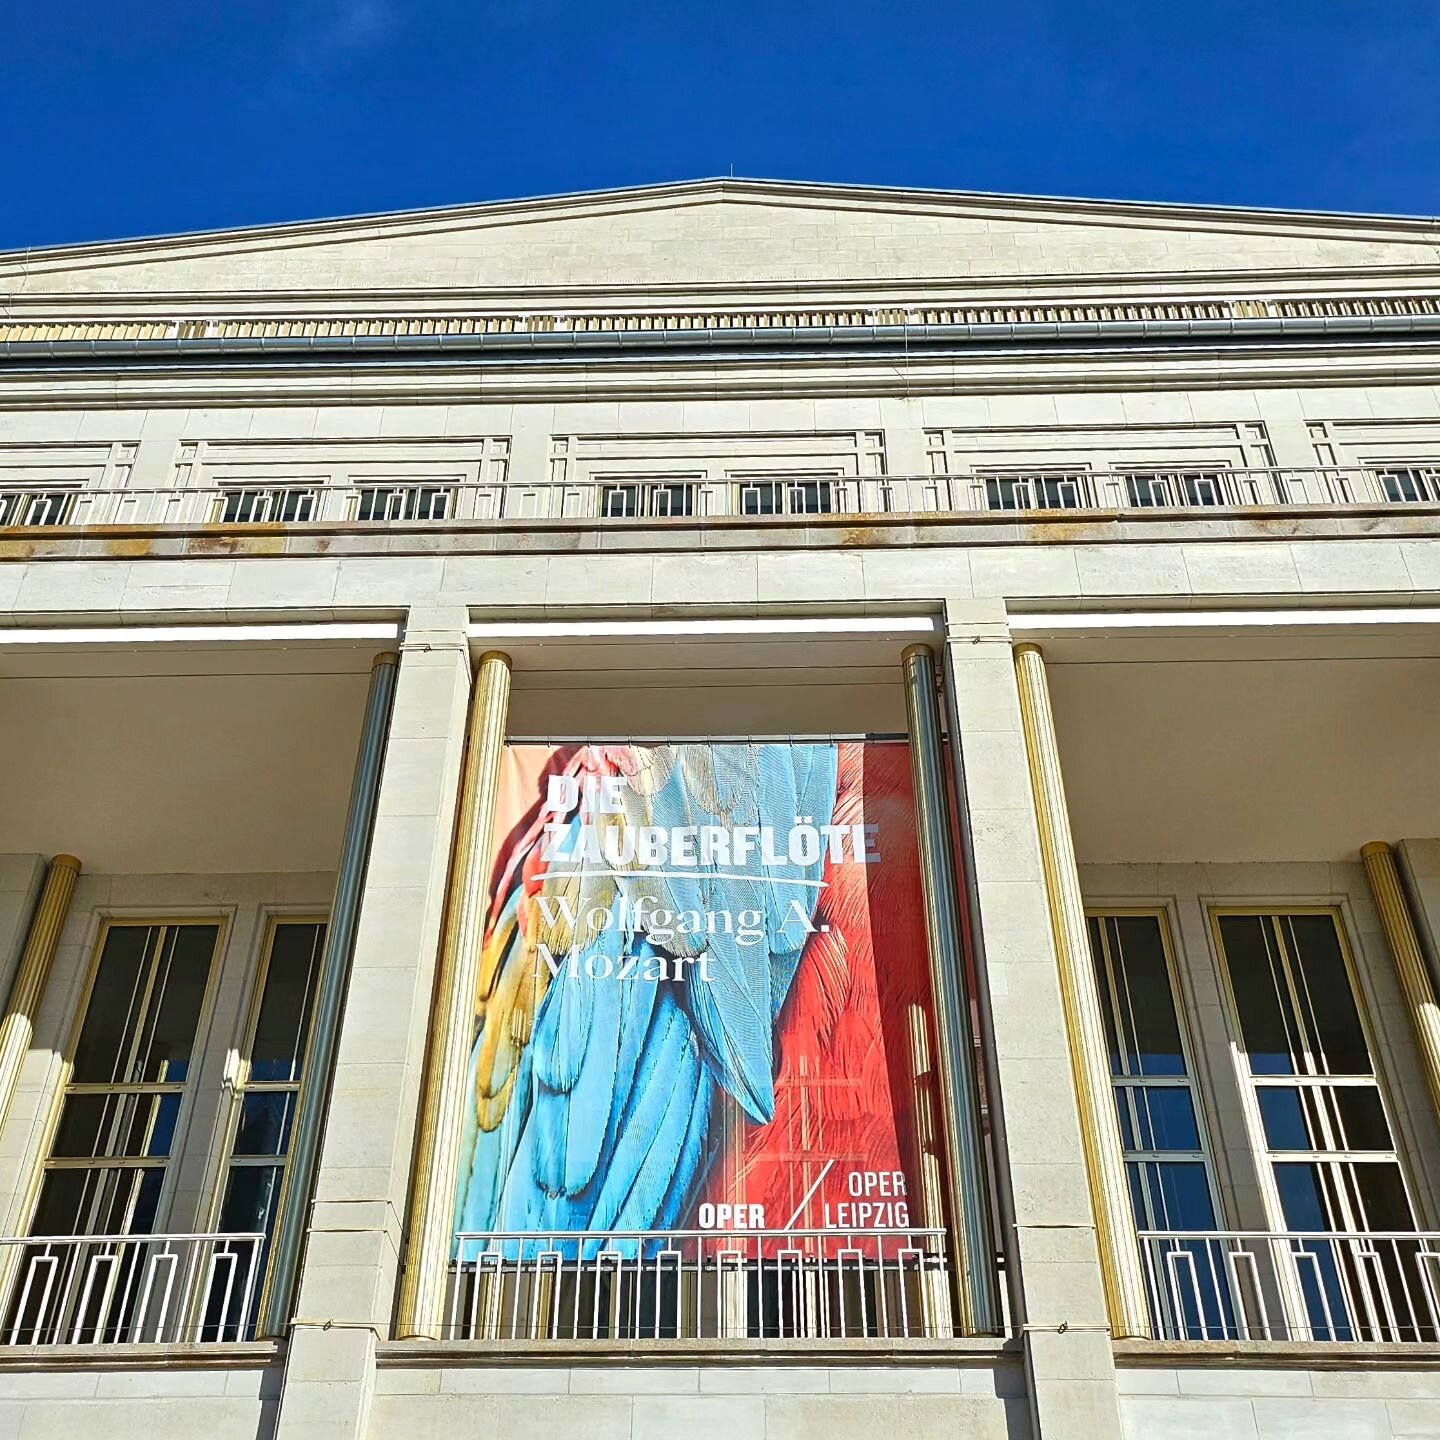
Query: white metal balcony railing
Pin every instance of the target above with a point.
(701, 1285)
(686, 501)
(129, 1289)
(1237, 1285)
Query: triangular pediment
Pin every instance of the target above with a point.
(724, 236)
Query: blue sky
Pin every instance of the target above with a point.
(169, 115)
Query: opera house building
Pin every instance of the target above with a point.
(732, 809)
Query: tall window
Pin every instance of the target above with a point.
(133, 1058)
(1166, 1157)
(1350, 1267)
(269, 1083)
(1322, 1115)
(1162, 1131)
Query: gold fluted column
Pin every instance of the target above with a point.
(1415, 983)
(1100, 1130)
(26, 993)
(452, 1013)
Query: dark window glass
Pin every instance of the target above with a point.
(1382, 1197)
(1147, 1006)
(250, 1198)
(134, 1125)
(1166, 1115)
(1182, 1191)
(115, 999)
(1302, 1197)
(108, 1201)
(1283, 1116)
(672, 499)
(278, 1052)
(266, 1117)
(620, 502)
(1326, 997)
(1258, 984)
(179, 992)
(1362, 1118)
(759, 498)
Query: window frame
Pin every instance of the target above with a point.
(28, 495)
(405, 488)
(43, 1161)
(1191, 1080)
(1267, 1158)
(240, 1085)
(1082, 477)
(785, 482)
(1425, 472)
(271, 494)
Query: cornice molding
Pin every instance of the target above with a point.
(506, 377)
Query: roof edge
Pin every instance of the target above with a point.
(740, 187)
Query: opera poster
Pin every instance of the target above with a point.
(702, 969)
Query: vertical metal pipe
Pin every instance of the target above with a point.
(1089, 1054)
(977, 1304)
(984, 1006)
(18, 1026)
(452, 1013)
(1400, 931)
(294, 1209)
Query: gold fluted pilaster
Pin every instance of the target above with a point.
(1105, 1163)
(18, 1025)
(452, 1013)
(1415, 983)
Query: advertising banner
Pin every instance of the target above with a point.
(702, 969)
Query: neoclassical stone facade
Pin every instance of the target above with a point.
(1139, 505)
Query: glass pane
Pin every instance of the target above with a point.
(1147, 1020)
(114, 1001)
(103, 1125)
(1283, 1116)
(278, 1051)
(266, 1118)
(1266, 1023)
(1328, 1000)
(1382, 1197)
(1167, 1118)
(672, 500)
(1145, 491)
(1102, 985)
(251, 1193)
(1182, 1196)
(1302, 1197)
(1002, 495)
(1362, 1118)
(98, 1202)
(759, 499)
(618, 501)
(1122, 1111)
(178, 993)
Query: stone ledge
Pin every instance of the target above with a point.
(1275, 1354)
(243, 1356)
(900, 529)
(979, 1351)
